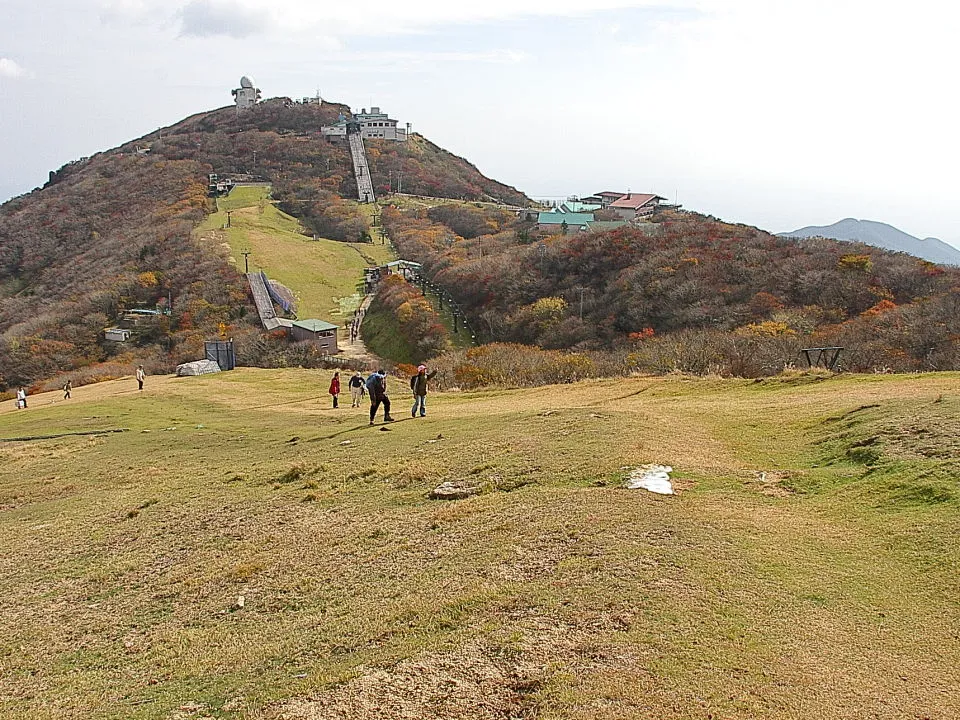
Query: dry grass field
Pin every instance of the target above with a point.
(241, 550)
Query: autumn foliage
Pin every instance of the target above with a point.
(420, 330)
(716, 297)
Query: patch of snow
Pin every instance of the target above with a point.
(655, 478)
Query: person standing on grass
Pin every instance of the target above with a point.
(418, 383)
(335, 388)
(377, 388)
(21, 399)
(141, 376)
(67, 387)
(356, 389)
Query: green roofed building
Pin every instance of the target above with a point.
(324, 334)
(559, 222)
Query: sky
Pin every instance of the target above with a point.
(778, 114)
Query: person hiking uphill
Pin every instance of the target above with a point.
(356, 389)
(418, 383)
(377, 388)
(335, 388)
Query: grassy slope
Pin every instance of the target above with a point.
(382, 336)
(324, 274)
(827, 590)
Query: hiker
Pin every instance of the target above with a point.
(377, 388)
(21, 399)
(67, 387)
(141, 376)
(418, 383)
(335, 388)
(356, 389)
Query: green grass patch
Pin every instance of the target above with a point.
(326, 276)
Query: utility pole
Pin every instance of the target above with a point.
(581, 290)
(246, 261)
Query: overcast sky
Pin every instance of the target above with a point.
(776, 114)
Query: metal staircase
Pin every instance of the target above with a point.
(261, 297)
(360, 168)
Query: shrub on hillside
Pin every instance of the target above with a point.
(512, 365)
(695, 274)
(324, 212)
(418, 323)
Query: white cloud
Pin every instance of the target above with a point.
(10, 69)
(205, 18)
(122, 11)
(239, 18)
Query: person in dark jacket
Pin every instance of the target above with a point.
(356, 389)
(377, 389)
(418, 383)
(335, 388)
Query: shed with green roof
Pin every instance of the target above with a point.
(324, 334)
(558, 222)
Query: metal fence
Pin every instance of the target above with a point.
(221, 352)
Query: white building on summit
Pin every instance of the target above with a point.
(247, 95)
(373, 124)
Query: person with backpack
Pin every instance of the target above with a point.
(357, 389)
(335, 389)
(67, 387)
(377, 389)
(418, 383)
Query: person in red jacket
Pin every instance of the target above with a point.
(335, 388)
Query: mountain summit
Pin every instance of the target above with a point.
(884, 236)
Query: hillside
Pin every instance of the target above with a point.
(110, 233)
(883, 236)
(687, 292)
(116, 231)
(242, 551)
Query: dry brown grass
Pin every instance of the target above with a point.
(815, 592)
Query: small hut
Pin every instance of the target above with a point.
(324, 334)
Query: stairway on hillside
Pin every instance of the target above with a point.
(261, 297)
(360, 168)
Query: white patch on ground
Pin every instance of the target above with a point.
(655, 478)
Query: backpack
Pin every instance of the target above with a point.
(374, 384)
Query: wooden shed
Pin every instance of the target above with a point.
(324, 334)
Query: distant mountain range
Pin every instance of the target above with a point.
(884, 236)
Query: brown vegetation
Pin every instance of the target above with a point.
(716, 297)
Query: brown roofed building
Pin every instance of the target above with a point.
(636, 205)
(607, 197)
